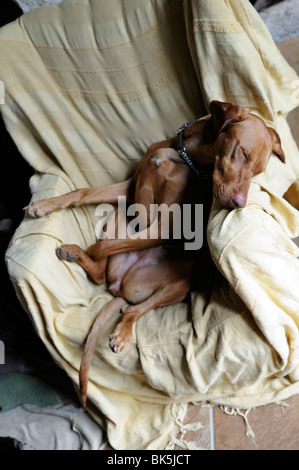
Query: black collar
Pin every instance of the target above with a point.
(201, 174)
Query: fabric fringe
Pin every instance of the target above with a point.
(237, 412)
(178, 415)
(282, 405)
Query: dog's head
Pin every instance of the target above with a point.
(243, 145)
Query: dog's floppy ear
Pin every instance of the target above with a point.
(222, 114)
(276, 144)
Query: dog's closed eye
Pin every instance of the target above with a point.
(245, 154)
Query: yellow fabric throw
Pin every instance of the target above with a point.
(89, 85)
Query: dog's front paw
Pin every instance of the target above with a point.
(68, 252)
(41, 208)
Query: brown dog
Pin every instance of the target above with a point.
(148, 272)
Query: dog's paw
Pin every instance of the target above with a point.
(68, 252)
(41, 208)
(120, 337)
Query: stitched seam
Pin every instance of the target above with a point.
(141, 64)
(107, 97)
(217, 26)
(158, 53)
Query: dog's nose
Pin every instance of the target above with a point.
(238, 201)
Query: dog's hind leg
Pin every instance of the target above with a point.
(169, 294)
(95, 269)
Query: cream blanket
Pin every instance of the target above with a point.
(89, 85)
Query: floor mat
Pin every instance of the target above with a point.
(19, 389)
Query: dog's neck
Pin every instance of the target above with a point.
(182, 151)
(190, 145)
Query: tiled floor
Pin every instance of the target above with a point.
(275, 427)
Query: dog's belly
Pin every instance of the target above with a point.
(117, 267)
(142, 281)
(127, 273)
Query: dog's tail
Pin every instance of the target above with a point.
(91, 342)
